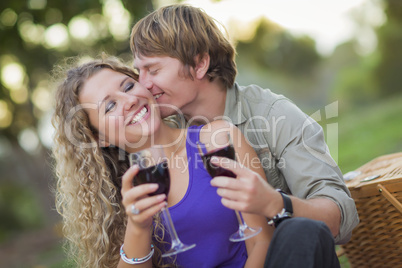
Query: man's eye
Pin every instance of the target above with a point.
(128, 87)
(153, 72)
(110, 106)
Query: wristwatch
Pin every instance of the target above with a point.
(287, 211)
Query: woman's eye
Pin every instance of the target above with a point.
(110, 106)
(128, 87)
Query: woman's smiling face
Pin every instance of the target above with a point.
(120, 109)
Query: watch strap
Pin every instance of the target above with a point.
(287, 202)
(287, 211)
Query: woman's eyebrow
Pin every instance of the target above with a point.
(104, 100)
(108, 96)
(124, 80)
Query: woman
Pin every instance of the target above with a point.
(102, 114)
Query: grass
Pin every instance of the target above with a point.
(368, 132)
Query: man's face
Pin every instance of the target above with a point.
(167, 80)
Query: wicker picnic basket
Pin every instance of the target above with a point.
(377, 240)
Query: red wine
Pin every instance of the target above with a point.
(155, 174)
(214, 170)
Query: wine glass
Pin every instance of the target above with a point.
(153, 167)
(222, 146)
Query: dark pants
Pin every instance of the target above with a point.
(302, 243)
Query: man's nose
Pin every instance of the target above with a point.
(146, 82)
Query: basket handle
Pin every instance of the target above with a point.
(390, 197)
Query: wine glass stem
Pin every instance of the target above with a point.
(242, 223)
(170, 227)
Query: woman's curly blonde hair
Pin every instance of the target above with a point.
(88, 190)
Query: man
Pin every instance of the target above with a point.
(185, 61)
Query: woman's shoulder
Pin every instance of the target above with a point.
(217, 125)
(208, 131)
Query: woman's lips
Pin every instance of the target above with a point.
(139, 116)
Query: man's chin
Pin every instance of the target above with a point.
(167, 112)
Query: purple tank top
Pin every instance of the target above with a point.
(201, 218)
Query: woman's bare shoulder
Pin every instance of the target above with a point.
(212, 129)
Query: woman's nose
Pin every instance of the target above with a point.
(129, 102)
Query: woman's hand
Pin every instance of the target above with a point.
(146, 205)
(249, 192)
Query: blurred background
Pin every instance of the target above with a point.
(340, 61)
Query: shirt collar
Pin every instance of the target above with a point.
(233, 106)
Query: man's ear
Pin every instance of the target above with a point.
(201, 65)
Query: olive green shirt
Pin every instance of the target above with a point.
(292, 149)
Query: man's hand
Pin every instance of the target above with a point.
(249, 192)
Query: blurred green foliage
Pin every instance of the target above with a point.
(289, 65)
(388, 70)
(354, 83)
(364, 79)
(31, 34)
(24, 29)
(277, 51)
(19, 209)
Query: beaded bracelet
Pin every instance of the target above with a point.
(136, 260)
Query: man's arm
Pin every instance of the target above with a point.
(311, 174)
(298, 162)
(250, 193)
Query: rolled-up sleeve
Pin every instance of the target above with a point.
(307, 166)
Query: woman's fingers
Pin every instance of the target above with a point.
(144, 217)
(130, 193)
(147, 214)
(145, 203)
(138, 192)
(146, 208)
(127, 180)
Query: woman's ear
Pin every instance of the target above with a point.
(201, 65)
(103, 143)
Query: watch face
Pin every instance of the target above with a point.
(287, 215)
(281, 219)
(287, 211)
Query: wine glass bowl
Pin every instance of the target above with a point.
(225, 149)
(158, 174)
(213, 170)
(153, 168)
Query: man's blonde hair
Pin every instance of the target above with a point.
(185, 32)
